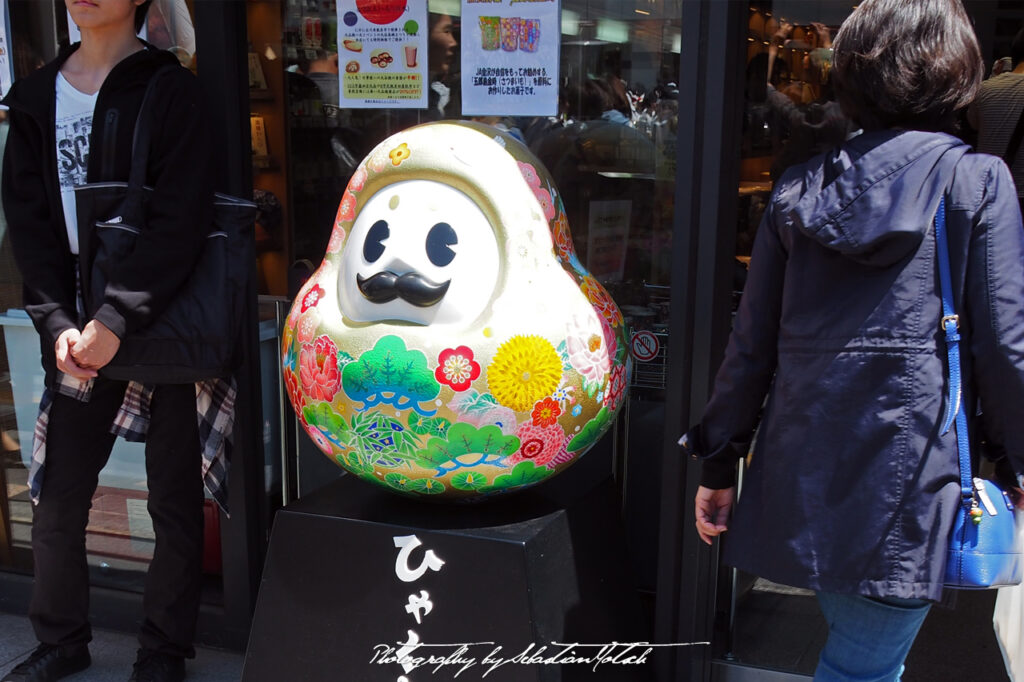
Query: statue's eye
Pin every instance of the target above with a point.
(373, 247)
(440, 241)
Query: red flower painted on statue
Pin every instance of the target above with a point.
(357, 180)
(544, 197)
(291, 382)
(563, 240)
(347, 207)
(312, 297)
(308, 324)
(456, 368)
(320, 439)
(546, 412)
(337, 239)
(529, 174)
(599, 298)
(616, 387)
(318, 369)
(538, 444)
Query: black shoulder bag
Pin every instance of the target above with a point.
(194, 337)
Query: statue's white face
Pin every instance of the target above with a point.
(419, 251)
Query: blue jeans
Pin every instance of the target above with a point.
(868, 638)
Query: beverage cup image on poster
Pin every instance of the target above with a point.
(510, 57)
(381, 44)
(451, 346)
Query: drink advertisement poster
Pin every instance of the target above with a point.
(382, 54)
(510, 57)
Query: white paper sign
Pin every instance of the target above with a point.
(510, 57)
(6, 65)
(382, 54)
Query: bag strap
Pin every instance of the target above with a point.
(1015, 138)
(950, 324)
(140, 144)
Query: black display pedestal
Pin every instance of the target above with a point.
(542, 566)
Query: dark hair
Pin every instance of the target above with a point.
(140, 14)
(906, 64)
(1017, 48)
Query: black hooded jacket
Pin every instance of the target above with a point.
(179, 211)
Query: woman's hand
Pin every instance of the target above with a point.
(64, 348)
(713, 507)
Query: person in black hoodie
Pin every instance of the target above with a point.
(72, 122)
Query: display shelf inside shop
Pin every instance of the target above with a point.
(265, 163)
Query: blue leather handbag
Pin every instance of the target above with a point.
(984, 547)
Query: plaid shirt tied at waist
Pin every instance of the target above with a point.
(215, 413)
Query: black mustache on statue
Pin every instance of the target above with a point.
(411, 287)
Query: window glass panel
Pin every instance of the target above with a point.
(610, 148)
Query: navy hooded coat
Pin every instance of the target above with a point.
(837, 361)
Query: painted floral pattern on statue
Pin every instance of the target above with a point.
(318, 369)
(616, 387)
(312, 297)
(538, 444)
(457, 368)
(399, 154)
(525, 369)
(599, 297)
(391, 374)
(308, 324)
(588, 349)
(347, 208)
(563, 240)
(545, 413)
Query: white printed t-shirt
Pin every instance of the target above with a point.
(74, 123)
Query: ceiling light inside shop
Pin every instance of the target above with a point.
(570, 22)
(452, 8)
(642, 11)
(612, 31)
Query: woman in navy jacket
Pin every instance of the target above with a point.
(836, 357)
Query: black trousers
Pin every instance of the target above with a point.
(78, 445)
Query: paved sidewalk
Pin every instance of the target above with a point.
(113, 654)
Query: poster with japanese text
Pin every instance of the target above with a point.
(510, 57)
(382, 53)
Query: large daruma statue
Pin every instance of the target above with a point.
(451, 345)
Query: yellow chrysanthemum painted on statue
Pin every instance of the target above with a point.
(524, 370)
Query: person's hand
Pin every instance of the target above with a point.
(824, 35)
(66, 342)
(1016, 496)
(96, 347)
(713, 507)
(782, 35)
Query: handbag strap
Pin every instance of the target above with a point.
(140, 145)
(950, 324)
(1015, 138)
